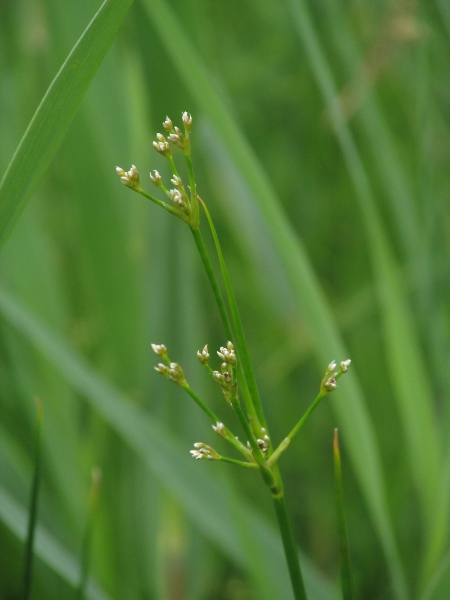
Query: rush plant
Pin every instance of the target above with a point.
(233, 374)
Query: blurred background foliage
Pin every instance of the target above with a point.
(321, 146)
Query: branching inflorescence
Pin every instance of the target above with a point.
(234, 375)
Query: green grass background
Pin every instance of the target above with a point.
(321, 145)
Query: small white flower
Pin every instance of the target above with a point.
(203, 451)
(129, 178)
(156, 178)
(168, 125)
(219, 428)
(203, 356)
(159, 350)
(344, 365)
(187, 120)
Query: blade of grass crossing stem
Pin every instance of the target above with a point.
(96, 476)
(32, 520)
(162, 454)
(55, 113)
(353, 416)
(413, 393)
(344, 547)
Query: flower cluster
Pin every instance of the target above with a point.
(129, 178)
(329, 381)
(183, 199)
(203, 451)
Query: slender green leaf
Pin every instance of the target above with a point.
(55, 113)
(47, 549)
(440, 582)
(32, 521)
(406, 364)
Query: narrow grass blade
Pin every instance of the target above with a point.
(55, 113)
(28, 560)
(170, 462)
(47, 548)
(344, 548)
(440, 583)
(413, 393)
(86, 549)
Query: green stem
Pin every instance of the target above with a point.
(290, 547)
(199, 242)
(229, 436)
(28, 559)
(266, 473)
(86, 547)
(196, 398)
(344, 551)
(239, 463)
(287, 440)
(164, 205)
(225, 318)
(194, 199)
(240, 336)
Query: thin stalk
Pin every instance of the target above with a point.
(86, 547)
(287, 440)
(196, 398)
(229, 436)
(239, 463)
(193, 186)
(289, 545)
(240, 336)
(28, 559)
(200, 243)
(344, 552)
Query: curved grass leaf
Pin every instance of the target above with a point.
(413, 392)
(55, 113)
(440, 583)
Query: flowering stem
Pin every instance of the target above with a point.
(344, 552)
(239, 463)
(159, 202)
(196, 398)
(200, 243)
(287, 440)
(193, 186)
(228, 434)
(32, 518)
(240, 336)
(289, 545)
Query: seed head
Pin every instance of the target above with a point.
(176, 181)
(203, 356)
(160, 350)
(168, 125)
(156, 178)
(344, 365)
(176, 374)
(187, 121)
(162, 146)
(219, 428)
(129, 178)
(203, 451)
